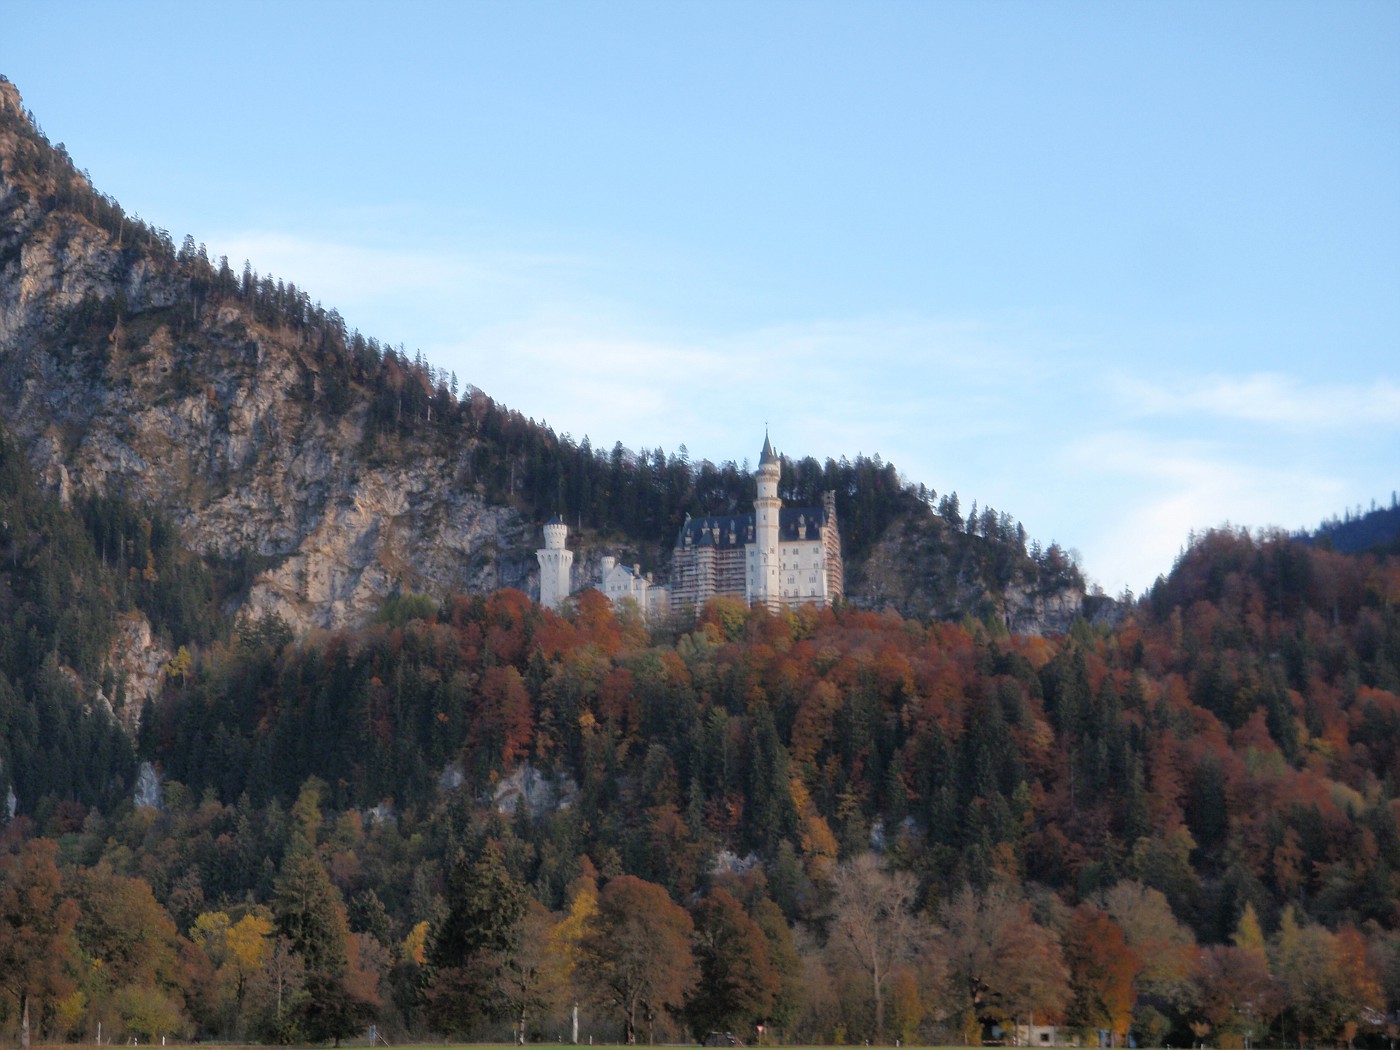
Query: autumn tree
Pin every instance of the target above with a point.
(238, 951)
(525, 978)
(150, 1012)
(1102, 972)
(1001, 962)
(636, 954)
(1163, 946)
(1234, 993)
(873, 922)
(1326, 978)
(566, 938)
(37, 946)
(737, 985)
(133, 949)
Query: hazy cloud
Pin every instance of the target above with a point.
(1267, 398)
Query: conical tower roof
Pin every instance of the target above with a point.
(767, 455)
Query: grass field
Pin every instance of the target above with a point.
(356, 1043)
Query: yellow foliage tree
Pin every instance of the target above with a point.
(238, 952)
(906, 1005)
(415, 945)
(564, 938)
(1248, 934)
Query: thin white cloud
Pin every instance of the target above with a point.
(825, 388)
(1269, 398)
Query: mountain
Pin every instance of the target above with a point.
(280, 754)
(1377, 529)
(232, 403)
(330, 471)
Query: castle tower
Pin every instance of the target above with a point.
(762, 583)
(555, 562)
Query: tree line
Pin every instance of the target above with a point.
(88, 951)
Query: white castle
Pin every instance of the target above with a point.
(777, 556)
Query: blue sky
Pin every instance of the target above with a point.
(1122, 270)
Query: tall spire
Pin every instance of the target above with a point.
(767, 455)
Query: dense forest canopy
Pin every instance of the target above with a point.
(1208, 790)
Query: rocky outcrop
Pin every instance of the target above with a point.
(121, 377)
(1029, 611)
(136, 661)
(535, 792)
(924, 568)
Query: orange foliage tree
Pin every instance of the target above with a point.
(37, 947)
(1102, 973)
(635, 954)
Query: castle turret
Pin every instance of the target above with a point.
(555, 562)
(762, 569)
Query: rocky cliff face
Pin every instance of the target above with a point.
(922, 567)
(121, 377)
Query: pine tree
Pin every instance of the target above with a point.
(472, 951)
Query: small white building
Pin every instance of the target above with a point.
(623, 582)
(1044, 1035)
(618, 582)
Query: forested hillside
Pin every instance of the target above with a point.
(1186, 824)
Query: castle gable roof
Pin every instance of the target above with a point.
(794, 523)
(724, 530)
(736, 530)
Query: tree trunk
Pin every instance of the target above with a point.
(879, 1005)
(24, 1020)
